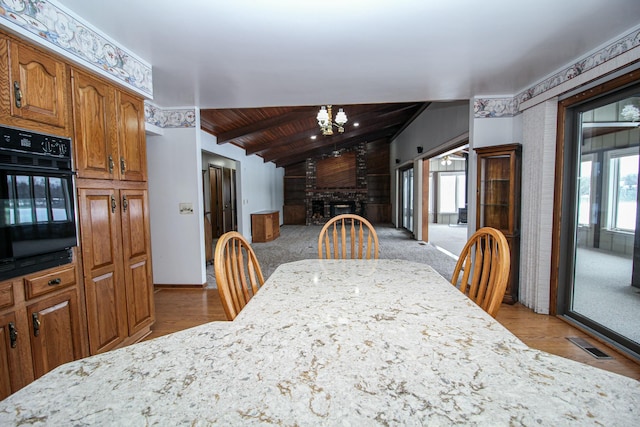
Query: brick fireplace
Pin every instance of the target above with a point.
(340, 188)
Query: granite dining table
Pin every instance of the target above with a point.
(333, 342)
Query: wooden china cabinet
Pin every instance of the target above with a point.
(498, 201)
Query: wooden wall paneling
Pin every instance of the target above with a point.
(337, 172)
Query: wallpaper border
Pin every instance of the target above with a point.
(169, 117)
(509, 107)
(55, 26)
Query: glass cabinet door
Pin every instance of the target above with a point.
(495, 190)
(498, 201)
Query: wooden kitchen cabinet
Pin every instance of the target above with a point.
(265, 226)
(109, 135)
(498, 201)
(41, 326)
(35, 92)
(55, 332)
(16, 366)
(110, 152)
(116, 254)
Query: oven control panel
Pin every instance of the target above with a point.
(13, 139)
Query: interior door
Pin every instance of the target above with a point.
(229, 199)
(222, 182)
(215, 185)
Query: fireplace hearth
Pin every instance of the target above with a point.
(342, 207)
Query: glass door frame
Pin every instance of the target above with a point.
(565, 210)
(403, 191)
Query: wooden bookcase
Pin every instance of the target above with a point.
(498, 201)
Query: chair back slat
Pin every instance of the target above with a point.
(238, 273)
(349, 242)
(482, 271)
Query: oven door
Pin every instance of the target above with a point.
(37, 218)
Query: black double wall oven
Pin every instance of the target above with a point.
(37, 206)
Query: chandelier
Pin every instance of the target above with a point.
(446, 161)
(325, 123)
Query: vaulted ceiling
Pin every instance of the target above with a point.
(289, 135)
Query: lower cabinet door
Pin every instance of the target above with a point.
(16, 368)
(55, 331)
(99, 212)
(136, 251)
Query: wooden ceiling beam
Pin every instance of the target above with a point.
(261, 125)
(298, 156)
(285, 144)
(383, 114)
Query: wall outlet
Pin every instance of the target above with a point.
(186, 208)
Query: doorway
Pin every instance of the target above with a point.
(222, 182)
(599, 269)
(447, 203)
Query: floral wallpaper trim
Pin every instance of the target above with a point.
(53, 24)
(495, 107)
(505, 107)
(169, 118)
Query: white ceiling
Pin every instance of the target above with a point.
(257, 53)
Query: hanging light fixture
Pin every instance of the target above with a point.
(325, 120)
(446, 161)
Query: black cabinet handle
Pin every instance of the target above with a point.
(113, 204)
(125, 203)
(18, 93)
(36, 324)
(111, 164)
(55, 281)
(13, 335)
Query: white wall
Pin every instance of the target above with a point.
(175, 176)
(174, 165)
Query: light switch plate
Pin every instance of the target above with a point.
(186, 208)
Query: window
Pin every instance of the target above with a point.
(622, 178)
(451, 192)
(585, 185)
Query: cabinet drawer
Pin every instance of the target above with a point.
(6, 294)
(50, 281)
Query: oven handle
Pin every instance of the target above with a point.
(32, 169)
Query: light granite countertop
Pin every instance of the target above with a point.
(349, 343)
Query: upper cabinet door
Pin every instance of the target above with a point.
(38, 87)
(94, 118)
(131, 136)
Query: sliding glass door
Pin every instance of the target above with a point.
(601, 258)
(407, 198)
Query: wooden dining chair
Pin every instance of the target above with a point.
(484, 263)
(238, 273)
(348, 236)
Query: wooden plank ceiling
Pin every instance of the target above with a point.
(283, 135)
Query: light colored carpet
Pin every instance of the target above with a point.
(603, 291)
(297, 242)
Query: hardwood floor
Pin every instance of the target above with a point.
(178, 309)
